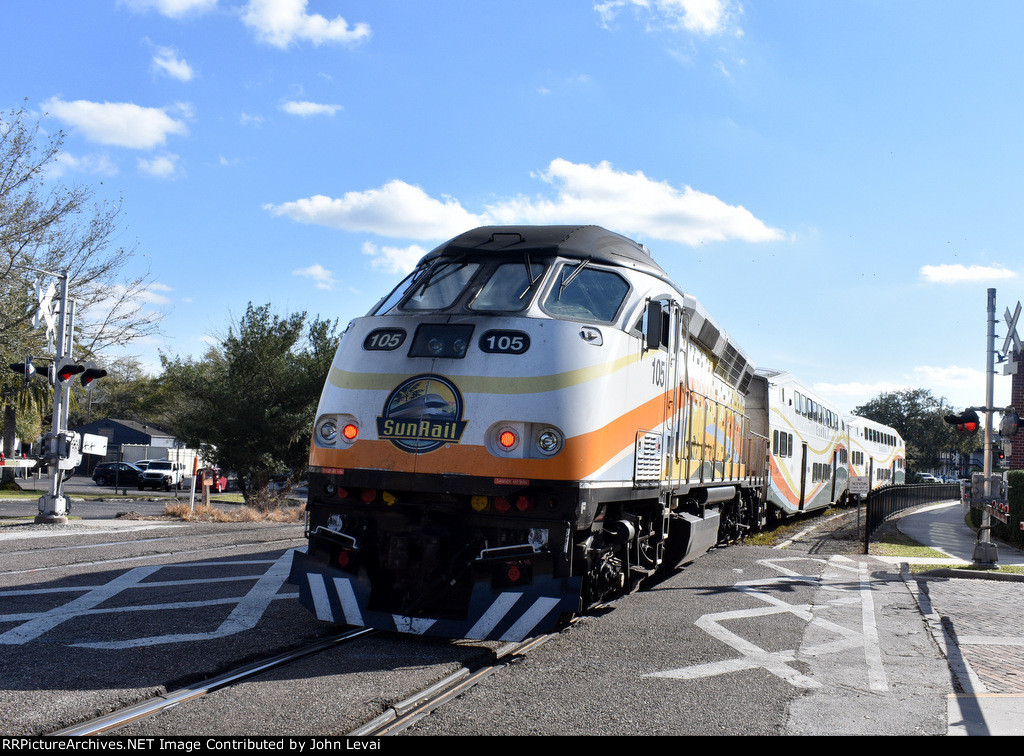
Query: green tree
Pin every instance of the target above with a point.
(920, 419)
(250, 402)
(125, 393)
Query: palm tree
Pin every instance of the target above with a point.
(27, 403)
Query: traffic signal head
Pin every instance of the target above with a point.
(65, 372)
(90, 375)
(966, 422)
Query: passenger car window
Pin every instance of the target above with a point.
(586, 294)
(508, 287)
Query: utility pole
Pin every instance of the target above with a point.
(985, 555)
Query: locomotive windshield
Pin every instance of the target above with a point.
(579, 291)
(440, 288)
(508, 288)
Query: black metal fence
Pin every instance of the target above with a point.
(883, 503)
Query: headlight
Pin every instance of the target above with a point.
(549, 441)
(328, 431)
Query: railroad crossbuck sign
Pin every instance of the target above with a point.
(45, 313)
(1010, 368)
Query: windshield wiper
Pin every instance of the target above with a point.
(529, 275)
(567, 281)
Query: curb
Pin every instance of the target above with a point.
(946, 572)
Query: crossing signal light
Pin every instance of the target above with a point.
(66, 371)
(1010, 423)
(25, 369)
(90, 375)
(966, 422)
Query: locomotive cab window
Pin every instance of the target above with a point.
(439, 288)
(509, 288)
(580, 292)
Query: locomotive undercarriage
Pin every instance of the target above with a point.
(449, 558)
(423, 554)
(641, 539)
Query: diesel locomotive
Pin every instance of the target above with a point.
(534, 421)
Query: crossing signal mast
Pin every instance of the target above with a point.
(64, 448)
(987, 491)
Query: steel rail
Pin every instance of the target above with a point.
(148, 708)
(406, 713)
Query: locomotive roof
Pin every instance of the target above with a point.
(599, 244)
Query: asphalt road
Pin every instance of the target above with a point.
(746, 641)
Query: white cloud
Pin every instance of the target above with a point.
(951, 378)
(396, 209)
(633, 203)
(154, 294)
(323, 278)
(394, 259)
(704, 17)
(959, 386)
(172, 8)
(250, 120)
(118, 123)
(162, 166)
(282, 22)
(625, 202)
(950, 274)
(96, 163)
(305, 108)
(167, 61)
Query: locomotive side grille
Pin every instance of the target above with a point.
(647, 464)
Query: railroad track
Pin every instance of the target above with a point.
(408, 712)
(122, 717)
(394, 720)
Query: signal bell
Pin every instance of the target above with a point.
(966, 422)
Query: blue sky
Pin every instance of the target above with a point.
(837, 182)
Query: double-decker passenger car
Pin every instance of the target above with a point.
(809, 444)
(876, 451)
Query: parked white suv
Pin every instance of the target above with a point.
(162, 473)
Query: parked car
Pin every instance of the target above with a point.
(116, 474)
(142, 464)
(162, 473)
(928, 478)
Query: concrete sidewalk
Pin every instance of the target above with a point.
(975, 619)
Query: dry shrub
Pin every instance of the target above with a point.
(208, 513)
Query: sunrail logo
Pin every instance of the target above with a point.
(422, 414)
